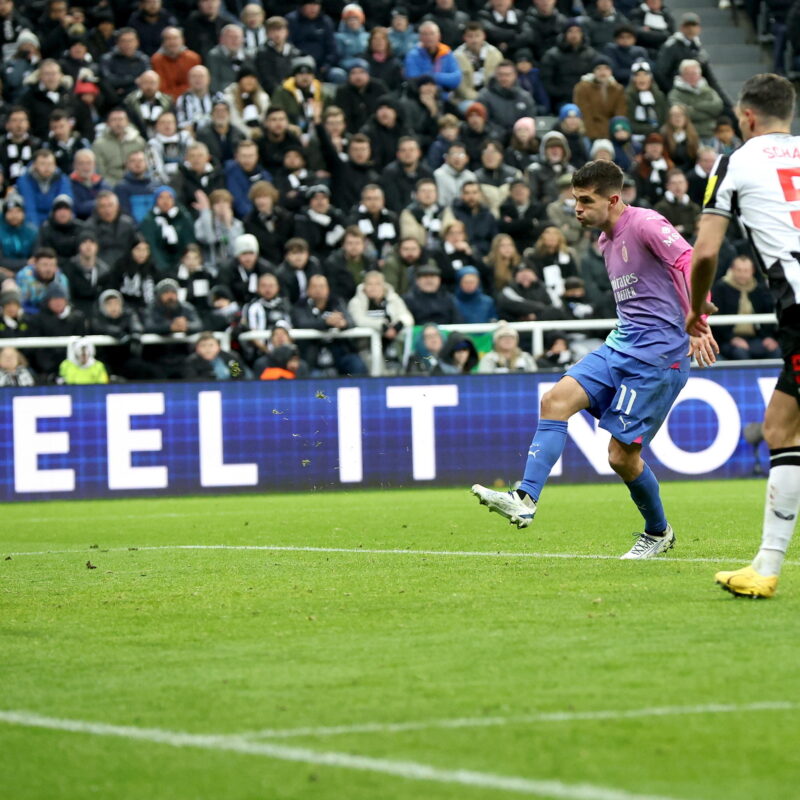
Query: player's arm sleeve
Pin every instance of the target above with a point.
(720, 194)
(663, 240)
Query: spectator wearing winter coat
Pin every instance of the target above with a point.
(134, 275)
(17, 235)
(210, 362)
(653, 24)
(519, 215)
(404, 260)
(505, 355)
(453, 174)
(312, 32)
(402, 35)
(216, 228)
(124, 64)
(80, 367)
(12, 24)
(740, 292)
(228, 59)
(480, 223)
(599, 98)
(266, 310)
(504, 99)
(167, 316)
(40, 185)
(359, 96)
(17, 146)
(322, 311)
(345, 267)
(172, 62)
(115, 231)
(602, 24)
(273, 60)
(196, 174)
(477, 60)
(421, 219)
(86, 183)
(693, 91)
(475, 131)
(428, 301)
(63, 140)
(348, 177)
(570, 124)
(218, 135)
(271, 224)
(623, 53)
(553, 262)
(564, 64)
(529, 79)
(299, 95)
(146, 103)
(19, 65)
(698, 175)
(248, 103)
(473, 304)
(111, 317)
(676, 205)
(495, 176)
(46, 89)
(35, 278)
(115, 144)
(384, 129)
(195, 105)
(647, 104)
(57, 317)
(149, 22)
(296, 269)
(427, 355)
(241, 274)
(450, 20)
(60, 230)
(86, 273)
(375, 221)
(351, 37)
(725, 140)
(167, 147)
(376, 305)
(553, 161)
(431, 57)
(241, 174)
(203, 27)
(683, 45)
(400, 178)
(506, 27)
(14, 369)
(136, 190)
(168, 229)
(621, 136)
(651, 168)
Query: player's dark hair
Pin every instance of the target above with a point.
(605, 177)
(770, 95)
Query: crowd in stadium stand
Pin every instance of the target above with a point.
(181, 168)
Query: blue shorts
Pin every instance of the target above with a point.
(629, 397)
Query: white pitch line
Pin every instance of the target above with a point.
(526, 719)
(386, 552)
(410, 770)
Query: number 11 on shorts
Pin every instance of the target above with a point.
(623, 391)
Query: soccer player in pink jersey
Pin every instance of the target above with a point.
(631, 382)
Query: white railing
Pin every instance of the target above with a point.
(540, 327)
(98, 340)
(304, 334)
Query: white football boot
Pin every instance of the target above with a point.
(508, 504)
(650, 546)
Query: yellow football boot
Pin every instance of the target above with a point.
(746, 582)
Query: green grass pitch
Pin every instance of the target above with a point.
(389, 675)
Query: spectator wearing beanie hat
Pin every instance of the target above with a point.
(168, 229)
(17, 236)
(599, 98)
(56, 318)
(570, 123)
(60, 230)
(529, 78)
(351, 38)
(476, 130)
(621, 135)
(566, 63)
(623, 53)
(242, 272)
(86, 273)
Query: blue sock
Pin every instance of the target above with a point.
(644, 492)
(546, 448)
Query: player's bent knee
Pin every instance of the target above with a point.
(553, 406)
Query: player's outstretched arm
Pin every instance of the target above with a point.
(704, 267)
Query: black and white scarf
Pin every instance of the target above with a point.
(334, 232)
(166, 225)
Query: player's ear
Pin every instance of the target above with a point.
(614, 200)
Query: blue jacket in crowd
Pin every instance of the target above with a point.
(239, 183)
(443, 68)
(315, 38)
(39, 200)
(136, 195)
(474, 306)
(16, 244)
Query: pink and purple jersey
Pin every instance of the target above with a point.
(648, 263)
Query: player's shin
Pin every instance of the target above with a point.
(780, 510)
(645, 493)
(546, 448)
